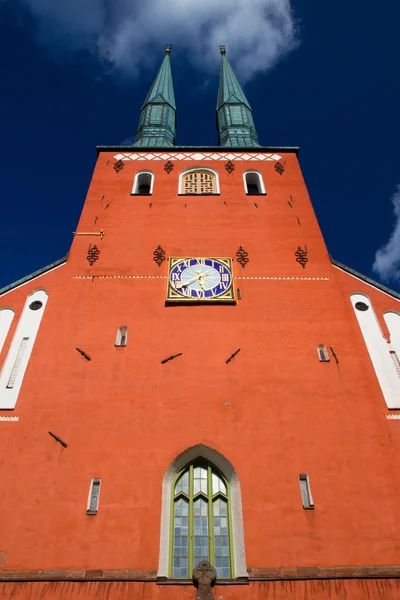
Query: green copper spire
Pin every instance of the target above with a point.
(158, 113)
(235, 123)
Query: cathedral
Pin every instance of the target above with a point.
(198, 402)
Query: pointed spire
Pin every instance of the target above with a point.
(158, 113)
(235, 123)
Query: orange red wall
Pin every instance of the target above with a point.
(275, 411)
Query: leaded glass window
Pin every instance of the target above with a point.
(201, 522)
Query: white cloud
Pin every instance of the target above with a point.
(387, 258)
(126, 35)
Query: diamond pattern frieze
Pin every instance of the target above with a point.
(197, 156)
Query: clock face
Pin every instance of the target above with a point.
(200, 279)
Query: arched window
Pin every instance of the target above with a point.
(378, 348)
(143, 183)
(122, 336)
(17, 359)
(201, 521)
(323, 353)
(253, 183)
(199, 181)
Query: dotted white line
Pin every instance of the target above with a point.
(393, 416)
(9, 418)
(166, 277)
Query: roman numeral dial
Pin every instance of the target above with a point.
(200, 279)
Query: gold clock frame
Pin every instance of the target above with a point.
(174, 297)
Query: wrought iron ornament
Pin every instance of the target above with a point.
(279, 168)
(118, 166)
(168, 167)
(230, 167)
(242, 256)
(301, 256)
(159, 255)
(204, 576)
(93, 255)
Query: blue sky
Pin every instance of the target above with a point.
(321, 75)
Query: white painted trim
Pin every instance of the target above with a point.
(6, 318)
(378, 350)
(31, 280)
(135, 186)
(27, 327)
(227, 470)
(191, 170)
(9, 419)
(260, 179)
(365, 283)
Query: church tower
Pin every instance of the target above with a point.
(198, 401)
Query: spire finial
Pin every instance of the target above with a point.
(222, 50)
(168, 48)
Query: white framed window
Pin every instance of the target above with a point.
(305, 490)
(93, 497)
(122, 336)
(323, 353)
(17, 359)
(378, 347)
(253, 183)
(229, 475)
(6, 317)
(143, 183)
(199, 181)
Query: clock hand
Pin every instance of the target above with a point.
(182, 283)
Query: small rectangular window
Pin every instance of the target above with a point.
(305, 491)
(18, 361)
(94, 495)
(323, 353)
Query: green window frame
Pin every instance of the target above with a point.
(200, 522)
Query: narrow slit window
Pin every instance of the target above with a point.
(323, 353)
(143, 185)
(253, 184)
(306, 491)
(122, 336)
(17, 364)
(94, 495)
(396, 362)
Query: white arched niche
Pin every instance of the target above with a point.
(254, 183)
(143, 183)
(6, 317)
(378, 349)
(227, 470)
(14, 367)
(196, 170)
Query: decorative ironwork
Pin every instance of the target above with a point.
(93, 255)
(159, 255)
(301, 256)
(242, 256)
(118, 166)
(204, 576)
(168, 167)
(279, 168)
(230, 167)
